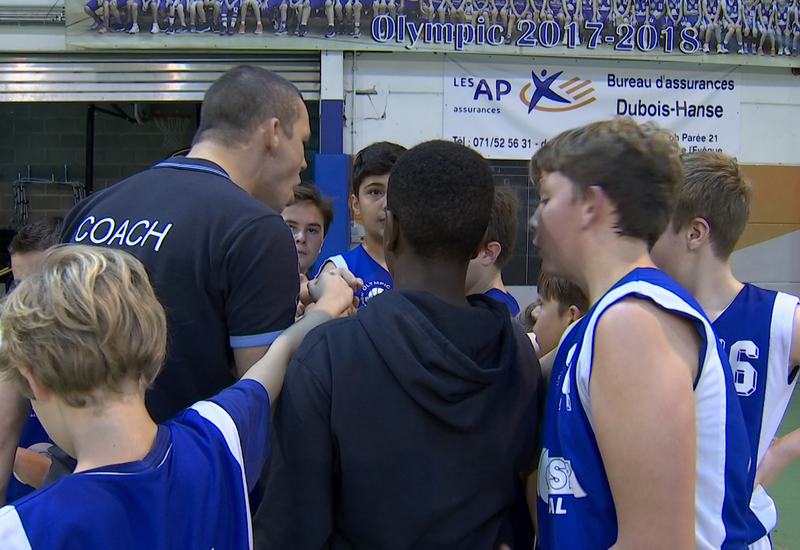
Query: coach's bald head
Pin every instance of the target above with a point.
(254, 123)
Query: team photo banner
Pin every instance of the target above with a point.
(508, 110)
(620, 29)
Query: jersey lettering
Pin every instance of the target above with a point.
(745, 376)
(102, 232)
(557, 477)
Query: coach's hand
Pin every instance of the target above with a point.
(332, 292)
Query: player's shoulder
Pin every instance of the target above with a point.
(754, 296)
(340, 338)
(336, 332)
(639, 320)
(354, 255)
(56, 507)
(243, 394)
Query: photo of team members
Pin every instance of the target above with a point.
(685, 26)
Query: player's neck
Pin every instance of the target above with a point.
(118, 432)
(610, 262)
(715, 287)
(443, 279)
(374, 248)
(493, 279)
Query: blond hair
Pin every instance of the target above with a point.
(87, 322)
(715, 189)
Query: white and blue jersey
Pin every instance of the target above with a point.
(732, 10)
(657, 12)
(756, 331)
(554, 7)
(362, 265)
(691, 13)
(620, 10)
(190, 491)
(711, 12)
(749, 14)
(604, 10)
(575, 506)
(673, 13)
(781, 15)
(640, 11)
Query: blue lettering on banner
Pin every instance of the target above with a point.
(645, 38)
(108, 231)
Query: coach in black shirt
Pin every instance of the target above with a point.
(209, 231)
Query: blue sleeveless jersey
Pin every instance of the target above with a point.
(756, 332)
(781, 14)
(575, 506)
(376, 278)
(190, 491)
(506, 298)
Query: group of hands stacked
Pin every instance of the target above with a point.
(332, 292)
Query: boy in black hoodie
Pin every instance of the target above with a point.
(407, 425)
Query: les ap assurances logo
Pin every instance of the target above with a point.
(551, 93)
(572, 94)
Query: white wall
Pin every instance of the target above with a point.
(400, 97)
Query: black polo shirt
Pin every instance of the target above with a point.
(223, 265)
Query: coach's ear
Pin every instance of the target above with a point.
(698, 234)
(268, 132)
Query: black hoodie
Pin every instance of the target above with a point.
(403, 427)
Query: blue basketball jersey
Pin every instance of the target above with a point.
(756, 332)
(674, 8)
(190, 491)
(781, 14)
(575, 506)
(506, 298)
(376, 278)
(749, 13)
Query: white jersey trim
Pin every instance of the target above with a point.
(778, 389)
(12, 533)
(710, 407)
(761, 544)
(223, 421)
(776, 397)
(337, 261)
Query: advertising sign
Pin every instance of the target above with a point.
(508, 110)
